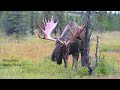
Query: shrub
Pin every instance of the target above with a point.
(105, 67)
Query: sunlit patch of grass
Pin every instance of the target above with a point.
(25, 49)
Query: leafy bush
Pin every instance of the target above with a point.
(105, 67)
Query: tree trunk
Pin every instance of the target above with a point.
(85, 55)
(32, 20)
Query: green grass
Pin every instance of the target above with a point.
(46, 69)
(43, 69)
(30, 58)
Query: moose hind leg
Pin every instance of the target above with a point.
(75, 60)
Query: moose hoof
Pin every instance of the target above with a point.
(90, 70)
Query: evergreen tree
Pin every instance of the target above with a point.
(15, 23)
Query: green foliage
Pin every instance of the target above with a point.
(107, 23)
(14, 23)
(24, 22)
(116, 22)
(105, 67)
(103, 21)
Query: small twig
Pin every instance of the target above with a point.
(96, 53)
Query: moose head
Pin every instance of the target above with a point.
(65, 44)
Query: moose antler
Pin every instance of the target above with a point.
(78, 32)
(75, 35)
(49, 26)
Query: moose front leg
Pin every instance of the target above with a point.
(82, 57)
(65, 61)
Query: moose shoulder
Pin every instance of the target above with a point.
(70, 41)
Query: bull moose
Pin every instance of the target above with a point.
(70, 41)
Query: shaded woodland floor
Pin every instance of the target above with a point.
(30, 58)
